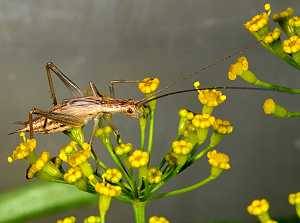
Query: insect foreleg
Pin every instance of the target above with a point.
(52, 68)
(95, 90)
(114, 82)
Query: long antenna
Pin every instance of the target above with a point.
(206, 67)
(143, 101)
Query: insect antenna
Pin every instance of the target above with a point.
(143, 101)
(205, 67)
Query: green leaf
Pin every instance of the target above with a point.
(39, 199)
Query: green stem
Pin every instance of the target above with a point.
(151, 126)
(202, 153)
(143, 124)
(293, 114)
(275, 87)
(298, 210)
(184, 190)
(139, 209)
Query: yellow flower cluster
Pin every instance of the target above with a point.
(23, 149)
(138, 159)
(291, 45)
(218, 160)
(272, 36)
(80, 156)
(148, 85)
(67, 150)
(92, 219)
(183, 113)
(258, 207)
(73, 174)
(123, 148)
(107, 189)
(283, 14)
(211, 98)
(257, 22)
(70, 219)
(269, 106)
(182, 147)
(112, 175)
(154, 175)
(105, 130)
(294, 199)
(38, 165)
(156, 219)
(295, 21)
(222, 126)
(203, 121)
(236, 69)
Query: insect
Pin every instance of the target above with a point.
(78, 110)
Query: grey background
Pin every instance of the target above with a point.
(109, 39)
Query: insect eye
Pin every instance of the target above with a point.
(129, 110)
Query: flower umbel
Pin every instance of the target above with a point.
(154, 175)
(238, 68)
(108, 189)
(38, 165)
(182, 147)
(203, 121)
(123, 148)
(291, 45)
(218, 160)
(70, 219)
(113, 175)
(148, 85)
(211, 98)
(258, 207)
(222, 126)
(138, 159)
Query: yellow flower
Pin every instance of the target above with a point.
(236, 69)
(154, 175)
(272, 36)
(92, 219)
(138, 159)
(294, 199)
(107, 189)
(269, 106)
(182, 147)
(156, 219)
(184, 113)
(113, 175)
(67, 150)
(267, 7)
(222, 126)
(283, 14)
(218, 160)
(80, 156)
(203, 121)
(103, 131)
(24, 149)
(123, 148)
(38, 165)
(211, 98)
(257, 22)
(70, 219)
(148, 85)
(258, 207)
(291, 45)
(73, 174)
(295, 21)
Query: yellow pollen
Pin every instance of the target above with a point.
(182, 147)
(123, 148)
(257, 22)
(73, 174)
(272, 36)
(211, 98)
(218, 160)
(156, 219)
(203, 121)
(294, 198)
(154, 175)
(107, 189)
(70, 219)
(291, 45)
(222, 126)
(148, 85)
(138, 159)
(79, 156)
(113, 175)
(236, 69)
(269, 106)
(38, 165)
(258, 207)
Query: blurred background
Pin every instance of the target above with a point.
(102, 40)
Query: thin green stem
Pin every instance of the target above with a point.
(143, 124)
(275, 87)
(139, 209)
(151, 126)
(298, 210)
(293, 114)
(202, 153)
(183, 190)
